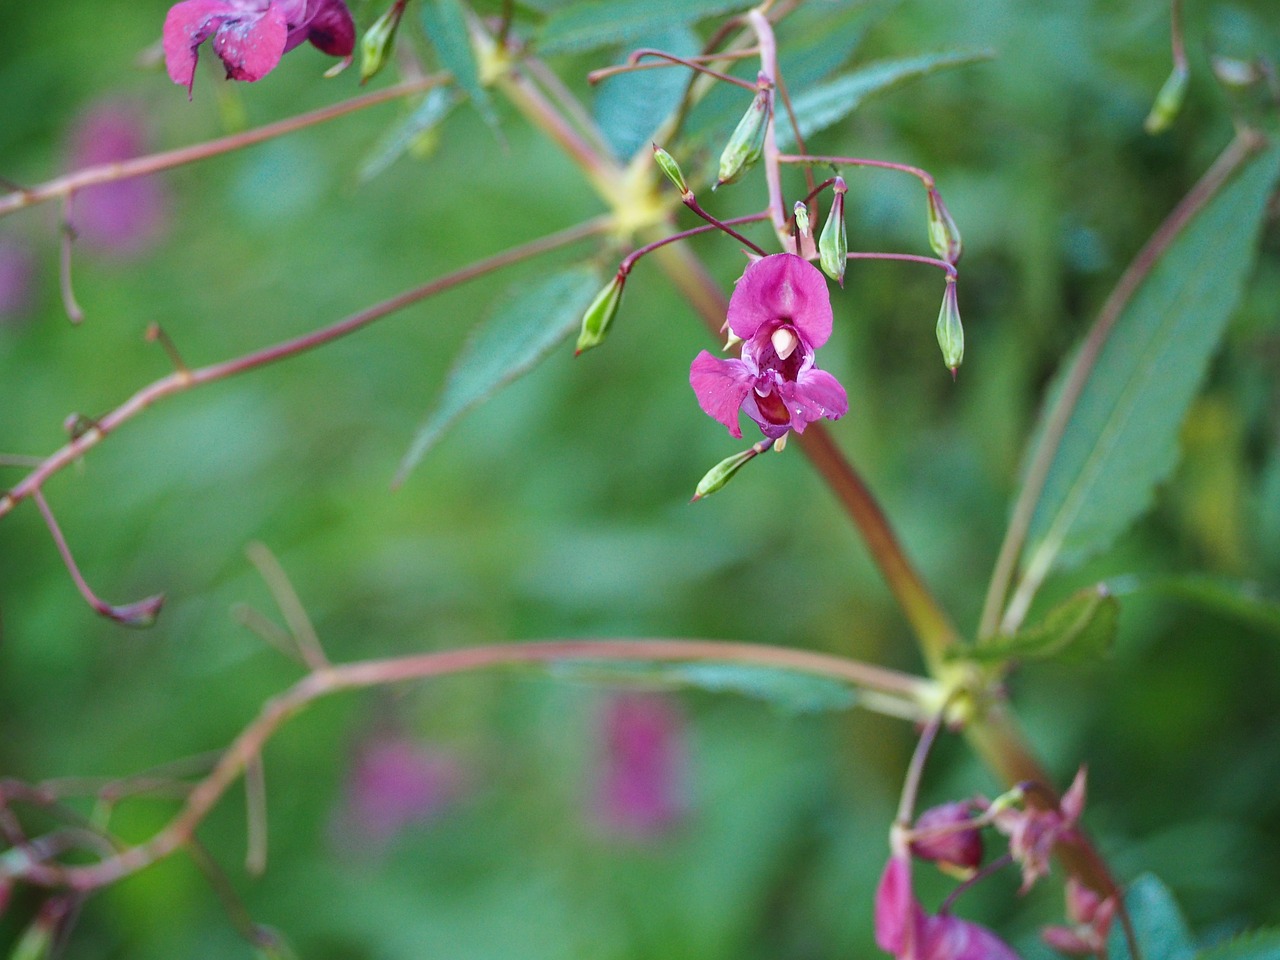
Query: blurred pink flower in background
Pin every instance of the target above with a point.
(640, 791)
(127, 217)
(394, 783)
(17, 273)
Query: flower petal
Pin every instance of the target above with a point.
(331, 29)
(947, 937)
(898, 915)
(251, 46)
(782, 288)
(817, 394)
(720, 386)
(186, 26)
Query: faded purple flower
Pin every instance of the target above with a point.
(1033, 833)
(904, 930)
(17, 270)
(394, 783)
(944, 835)
(127, 216)
(640, 791)
(250, 36)
(1090, 915)
(781, 309)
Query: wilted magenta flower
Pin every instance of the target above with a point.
(943, 835)
(782, 310)
(394, 782)
(252, 35)
(640, 791)
(127, 216)
(1034, 833)
(904, 930)
(1090, 916)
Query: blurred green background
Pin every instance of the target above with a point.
(559, 509)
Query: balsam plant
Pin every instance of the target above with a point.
(1107, 436)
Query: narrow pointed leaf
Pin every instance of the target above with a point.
(1121, 436)
(519, 334)
(588, 26)
(1256, 945)
(789, 690)
(434, 108)
(828, 103)
(1162, 932)
(446, 24)
(1240, 600)
(629, 107)
(1080, 628)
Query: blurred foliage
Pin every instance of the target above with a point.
(559, 508)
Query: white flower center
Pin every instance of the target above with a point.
(784, 342)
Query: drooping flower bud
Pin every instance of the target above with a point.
(747, 142)
(944, 235)
(950, 331)
(724, 471)
(1168, 101)
(833, 244)
(379, 41)
(667, 164)
(599, 316)
(945, 835)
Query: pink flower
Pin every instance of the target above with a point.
(904, 930)
(782, 310)
(1034, 833)
(125, 217)
(640, 791)
(1090, 917)
(252, 35)
(943, 834)
(394, 782)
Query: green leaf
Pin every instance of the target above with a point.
(434, 108)
(446, 24)
(630, 107)
(815, 39)
(828, 103)
(1079, 629)
(1240, 600)
(1161, 931)
(789, 690)
(588, 26)
(520, 333)
(1121, 436)
(1256, 945)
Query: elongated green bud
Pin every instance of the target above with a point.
(833, 244)
(747, 142)
(950, 331)
(1168, 101)
(944, 235)
(599, 316)
(724, 471)
(667, 164)
(378, 42)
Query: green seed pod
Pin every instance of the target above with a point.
(747, 143)
(950, 331)
(667, 164)
(1168, 101)
(378, 42)
(833, 244)
(599, 316)
(944, 235)
(724, 471)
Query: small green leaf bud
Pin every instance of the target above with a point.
(833, 245)
(747, 142)
(599, 316)
(950, 332)
(1168, 101)
(667, 164)
(803, 227)
(379, 41)
(944, 235)
(724, 471)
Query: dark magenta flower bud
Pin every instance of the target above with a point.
(946, 836)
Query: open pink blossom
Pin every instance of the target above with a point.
(908, 933)
(782, 311)
(250, 36)
(1033, 833)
